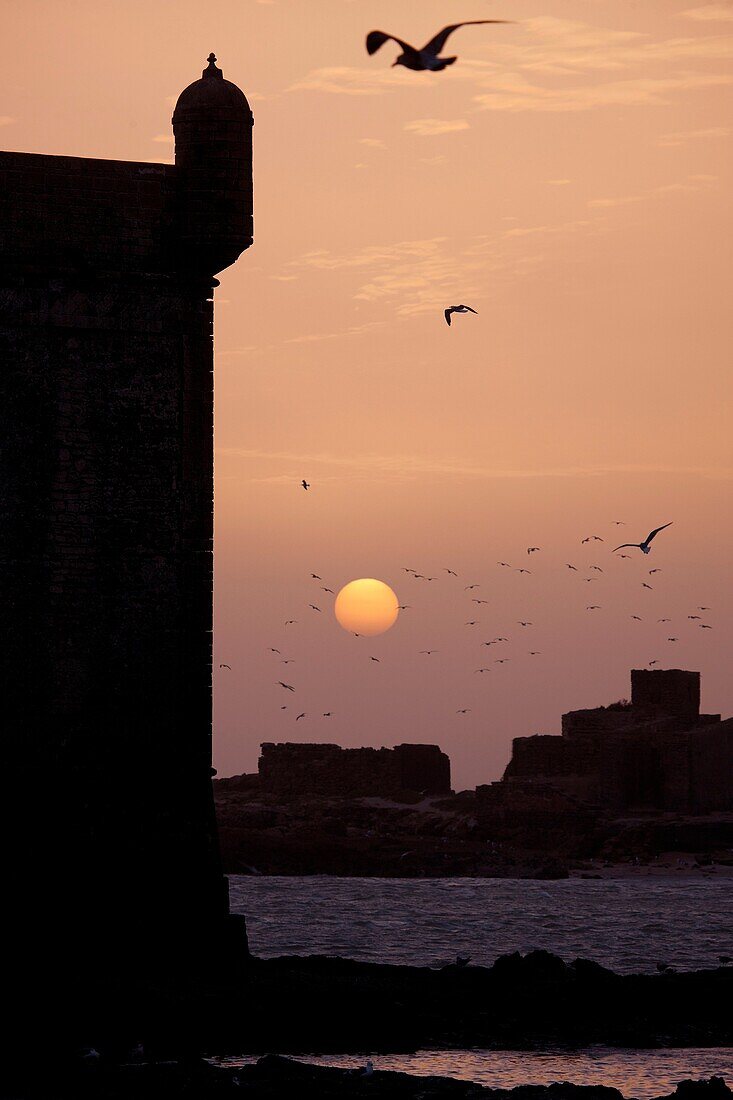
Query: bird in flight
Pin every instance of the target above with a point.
(654, 571)
(313, 606)
(466, 710)
(427, 58)
(328, 590)
(300, 716)
(290, 622)
(474, 600)
(474, 622)
(315, 577)
(593, 538)
(672, 639)
(704, 626)
(535, 653)
(573, 567)
(404, 606)
(638, 618)
(326, 714)
(618, 523)
(482, 670)
(594, 607)
(428, 651)
(524, 571)
(230, 667)
(275, 651)
(375, 659)
(655, 661)
(703, 609)
(645, 546)
(470, 586)
(689, 617)
(624, 555)
(305, 484)
(524, 624)
(451, 573)
(597, 568)
(645, 585)
(501, 660)
(505, 564)
(288, 687)
(456, 309)
(533, 549)
(664, 620)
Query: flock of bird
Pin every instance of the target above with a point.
(595, 574)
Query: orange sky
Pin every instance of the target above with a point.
(570, 178)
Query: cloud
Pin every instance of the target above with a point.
(516, 94)
(683, 136)
(710, 13)
(373, 143)
(625, 200)
(6, 120)
(430, 127)
(559, 183)
(411, 467)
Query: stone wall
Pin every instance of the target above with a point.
(670, 690)
(324, 770)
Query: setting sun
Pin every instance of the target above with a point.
(366, 607)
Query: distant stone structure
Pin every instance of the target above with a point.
(106, 519)
(654, 753)
(323, 770)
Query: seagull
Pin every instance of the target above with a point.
(470, 586)
(305, 484)
(533, 549)
(287, 660)
(328, 590)
(704, 626)
(315, 577)
(290, 622)
(689, 617)
(313, 606)
(523, 571)
(535, 653)
(638, 617)
(654, 571)
(505, 564)
(404, 606)
(427, 57)
(474, 600)
(326, 714)
(300, 716)
(672, 639)
(288, 687)
(375, 659)
(618, 523)
(655, 661)
(593, 538)
(275, 651)
(428, 651)
(594, 607)
(703, 609)
(645, 585)
(645, 546)
(597, 568)
(664, 620)
(625, 555)
(573, 567)
(474, 622)
(501, 660)
(451, 573)
(524, 624)
(230, 667)
(481, 670)
(466, 710)
(456, 309)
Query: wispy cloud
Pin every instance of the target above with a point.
(411, 467)
(710, 13)
(683, 136)
(373, 143)
(430, 127)
(515, 94)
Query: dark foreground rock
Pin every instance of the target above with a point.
(277, 1078)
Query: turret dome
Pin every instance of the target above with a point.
(211, 93)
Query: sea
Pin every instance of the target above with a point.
(628, 924)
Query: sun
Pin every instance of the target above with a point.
(366, 607)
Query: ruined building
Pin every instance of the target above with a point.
(656, 754)
(106, 416)
(296, 770)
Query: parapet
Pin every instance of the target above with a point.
(326, 770)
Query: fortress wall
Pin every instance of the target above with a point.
(325, 770)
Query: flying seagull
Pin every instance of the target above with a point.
(305, 484)
(313, 607)
(466, 710)
(469, 586)
(288, 687)
(523, 571)
(300, 716)
(316, 577)
(457, 309)
(451, 573)
(533, 549)
(593, 538)
(573, 567)
(230, 667)
(645, 546)
(427, 57)
(482, 670)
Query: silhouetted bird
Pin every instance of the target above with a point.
(704, 626)
(275, 651)
(313, 607)
(593, 538)
(505, 564)
(326, 714)
(328, 590)
(290, 622)
(703, 609)
(655, 661)
(427, 57)
(428, 651)
(303, 715)
(288, 687)
(457, 309)
(470, 586)
(618, 523)
(482, 670)
(316, 577)
(404, 606)
(594, 607)
(645, 585)
(637, 617)
(524, 624)
(664, 620)
(466, 710)
(226, 666)
(472, 622)
(451, 573)
(523, 571)
(672, 639)
(375, 659)
(474, 600)
(533, 549)
(597, 568)
(645, 546)
(535, 653)
(654, 571)
(573, 567)
(501, 660)
(305, 484)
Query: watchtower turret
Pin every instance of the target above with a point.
(212, 124)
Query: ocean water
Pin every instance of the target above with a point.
(629, 925)
(641, 1074)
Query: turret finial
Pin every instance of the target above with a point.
(211, 69)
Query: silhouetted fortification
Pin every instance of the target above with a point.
(106, 519)
(654, 753)
(297, 770)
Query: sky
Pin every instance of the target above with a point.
(569, 177)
